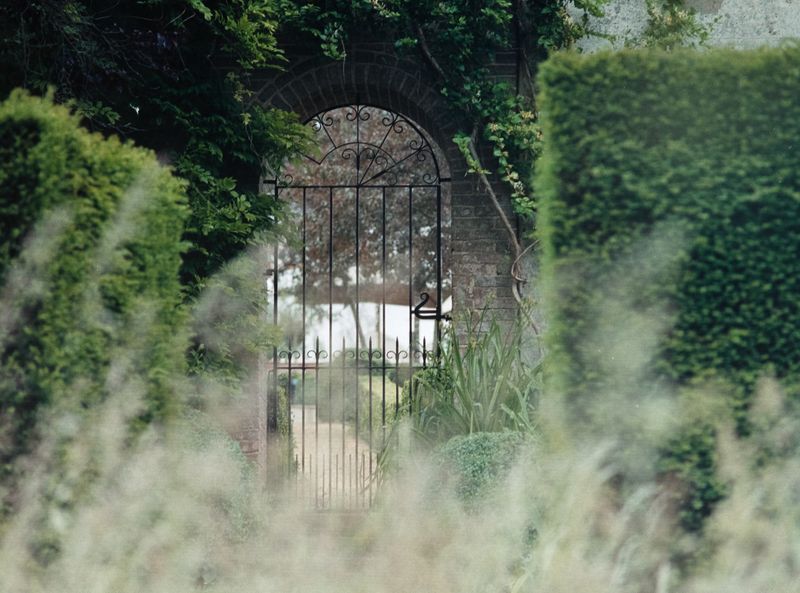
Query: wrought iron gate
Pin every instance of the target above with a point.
(361, 295)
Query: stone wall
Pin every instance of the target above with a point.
(738, 23)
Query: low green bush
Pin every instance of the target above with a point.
(202, 433)
(670, 197)
(90, 245)
(478, 462)
(481, 382)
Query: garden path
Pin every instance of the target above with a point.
(334, 468)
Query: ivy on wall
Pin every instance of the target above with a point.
(173, 75)
(670, 24)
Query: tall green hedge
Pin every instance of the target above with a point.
(478, 462)
(90, 249)
(670, 190)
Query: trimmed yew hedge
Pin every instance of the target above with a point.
(90, 244)
(682, 170)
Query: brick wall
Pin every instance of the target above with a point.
(373, 73)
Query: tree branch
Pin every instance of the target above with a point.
(426, 51)
(519, 252)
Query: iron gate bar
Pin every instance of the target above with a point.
(369, 374)
(290, 184)
(344, 408)
(330, 333)
(358, 308)
(317, 356)
(352, 186)
(383, 310)
(274, 411)
(355, 468)
(410, 292)
(303, 374)
(438, 326)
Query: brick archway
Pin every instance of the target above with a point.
(374, 73)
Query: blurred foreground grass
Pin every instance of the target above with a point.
(178, 508)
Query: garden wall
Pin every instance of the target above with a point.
(736, 23)
(375, 73)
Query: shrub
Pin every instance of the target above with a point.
(478, 462)
(202, 434)
(482, 382)
(90, 249)
(681, 168)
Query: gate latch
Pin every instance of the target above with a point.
(434, 315)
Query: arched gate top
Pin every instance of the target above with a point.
(365, 146)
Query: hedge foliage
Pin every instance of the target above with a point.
(670, 191)
(89, 256)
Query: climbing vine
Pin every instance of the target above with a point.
(458, 41)
(173, 75)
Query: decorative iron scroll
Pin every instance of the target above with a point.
(368, 146)
(368, 357)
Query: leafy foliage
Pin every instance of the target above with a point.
(462, 40)
(670, 24)
(691, 458)
(482, 383)
(701, 144)
(716, 159)
(91, 245)
(174, 76)
(171, 75)
(478, 462)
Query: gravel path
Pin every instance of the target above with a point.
(334, 468)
